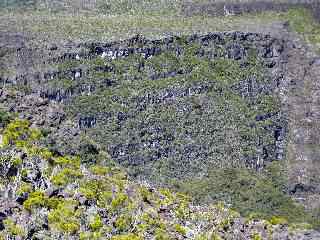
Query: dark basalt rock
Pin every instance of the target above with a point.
(31, 232)
(235, 51)
(12, 171)
(22, 198)
(3, 216)
(87, 122)
(54, 193)
(301, 188)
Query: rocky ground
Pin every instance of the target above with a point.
(49, 196)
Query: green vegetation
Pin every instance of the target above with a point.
(130, 210)
(278, 220)
(129, 236)
(233, 134)
(96, 223)
(302, 21)
(35, 199)
(180, 229)
(66, 176)
(65, 218)
(246, 190)
(123, 19)
(64, 214)
(249, 192)
(18, 132)
(14, 229)
(24, 188)
(236, 111)
(5, 118)
(256, 236)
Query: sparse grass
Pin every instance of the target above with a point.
(46, 25)
(52, 27)
(121, 26)
(302, 21)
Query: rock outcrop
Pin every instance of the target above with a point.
(124, 91)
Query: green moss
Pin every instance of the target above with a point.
(17, 162)
(168, 198)
(90, 189)
(215, 236)
(145, 194)
(19, 133)
(97, 62)
(53, 202)
(119, 175)
(16, 130)
(39, 199)
(61, 84)
(67, 161)
(70, 64)
(105, 198)
(45, 153)
(301, 226)
(152, 220)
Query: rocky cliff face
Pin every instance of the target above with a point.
(193, 102)
(175, 108)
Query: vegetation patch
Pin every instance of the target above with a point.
(106, 204)
(261, 195)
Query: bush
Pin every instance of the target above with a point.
(96, 224)
(35, 199)
(5, 118)
(64, 218)
(129, 236)
(275, 220)
(180, 229)
(13, 228)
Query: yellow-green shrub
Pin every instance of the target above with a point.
(35, 199)
(96, 223)
(64, 218)
(275, 220)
